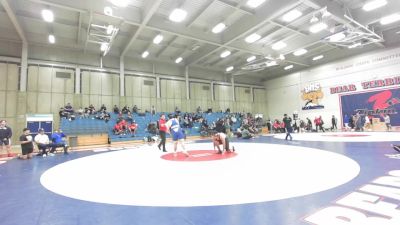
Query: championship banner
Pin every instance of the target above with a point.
(375, 103)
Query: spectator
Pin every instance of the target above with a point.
(125, 110)
(309, 125)
(129, 117)
(387, 122)
(177, 110)
(116, 109)
(133, 128)
(5, 137)
(91, 109)
(26, 144)
(117, 129)
(153, 110)
(334, 123)
(228, 110)
(42, 141)
(68, 108)
(288, 126)
(103, 108)
(198, 110)
(58, 140)
(135, 109)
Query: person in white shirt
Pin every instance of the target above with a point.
(42, 141)
(387, 122)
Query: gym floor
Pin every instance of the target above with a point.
(318, 178)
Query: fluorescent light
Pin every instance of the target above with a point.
(282, 57)
(52, 39)
(271, 63)
(314, 19)
(229, 69)
(288, 67)
(355, 45)
(110, 29)
(47, 15)
(108, 11)
(318, 57)
(120, 3)
(390, 19)
(292, 15)
(225, 54)
(251, 58)
(103, 47)
(300, 52)
(279, 45)
(252, 38)
(318, 27)
(178, 60)
(177, 15)
(145, 54)
(369, 6)
(218, 28)
(157, 40)
(255, 3)
(337, 37)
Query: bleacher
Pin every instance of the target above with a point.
(90, 126)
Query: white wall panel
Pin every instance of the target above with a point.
(3, 76)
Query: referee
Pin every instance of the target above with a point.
(5, 136)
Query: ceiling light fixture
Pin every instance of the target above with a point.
(355, 45)
(108, 11)
(219, 28)
(292, 15)
(47, 15)
(337, 37)
(282, 57)
(279, 45)
(255, 3)
(390, 19)
(52, 39)
(158, 39)
(103, 47)
(325, 14)
(314, 19)
(374, 4)
(318, 57)
(178, 15)
(120, 3)
(252, 38)
(225, 54)
(288, 67)
(300, 52)
(229, 69)
(178, 60)
(110, 29)
(318, 27)
(271, 63)
(145, 54)
(251, 58)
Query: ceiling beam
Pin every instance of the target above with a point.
(87, 31)
(254, 24)
(70, 8)
(152, 7)
(237, 7)
(14, 20)
(200, 13)
(166, 46)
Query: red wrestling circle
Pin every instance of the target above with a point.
(199, 155)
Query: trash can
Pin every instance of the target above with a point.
(73, 141)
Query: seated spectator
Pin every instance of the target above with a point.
(116, 109)
(58, 140)
(198, 110)
(125, 110)
(246, 134)
(62, 113)
(133, 128)
(42, 141)
(103, 108)
(152, 128)
(129, 117)
(80, 112)
(177, 110)
(68, 108)
(107, 117)
(209, 110)
(228, 110)
(135, 109)
(91, 109)
(118, 129)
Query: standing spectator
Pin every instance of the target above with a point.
(26, 144)
(288, 126)
(334, 123)
(153, 110)
(358, 122)
(387, 122)
(42, 141)
(309, 125)
(5, 137)
(162, 129)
